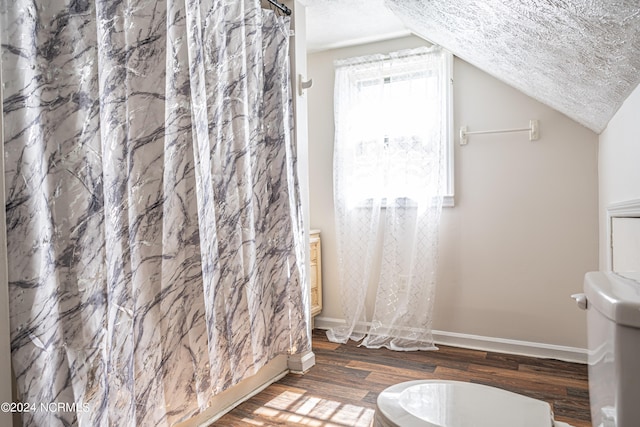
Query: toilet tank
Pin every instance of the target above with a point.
(613, 325)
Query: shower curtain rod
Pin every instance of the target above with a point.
(284, 9)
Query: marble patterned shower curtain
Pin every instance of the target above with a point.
(154, 224)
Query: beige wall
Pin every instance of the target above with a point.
(525, 226)
(619, 163)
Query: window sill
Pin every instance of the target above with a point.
(448, 201)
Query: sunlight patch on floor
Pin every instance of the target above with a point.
(314, 411)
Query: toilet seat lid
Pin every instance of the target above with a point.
(459, 404)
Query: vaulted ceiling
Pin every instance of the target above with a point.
(580, 57)
(338, 23)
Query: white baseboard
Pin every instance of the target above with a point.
(498, 345)
(502, 345)
(301, 363)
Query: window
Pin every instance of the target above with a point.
(393, 127)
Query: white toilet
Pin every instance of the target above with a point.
(613, 323)
(613, 326)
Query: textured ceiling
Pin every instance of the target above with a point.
(580, 57)
(339, 23)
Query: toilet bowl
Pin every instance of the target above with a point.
(435, 403)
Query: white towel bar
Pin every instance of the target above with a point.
(532, 129)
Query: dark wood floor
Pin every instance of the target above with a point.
(342, 388)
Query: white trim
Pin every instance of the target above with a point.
(626, 209)
(508, 346)
(301, 363)
(477, 342)
(449, 200)
(629, 208)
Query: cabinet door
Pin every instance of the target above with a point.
(315, 273)
(625, 244)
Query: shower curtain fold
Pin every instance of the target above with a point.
(155, 235)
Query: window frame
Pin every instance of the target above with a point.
(448, 198)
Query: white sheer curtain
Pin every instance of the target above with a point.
(389, 181)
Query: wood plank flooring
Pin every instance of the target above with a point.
(342, 388)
